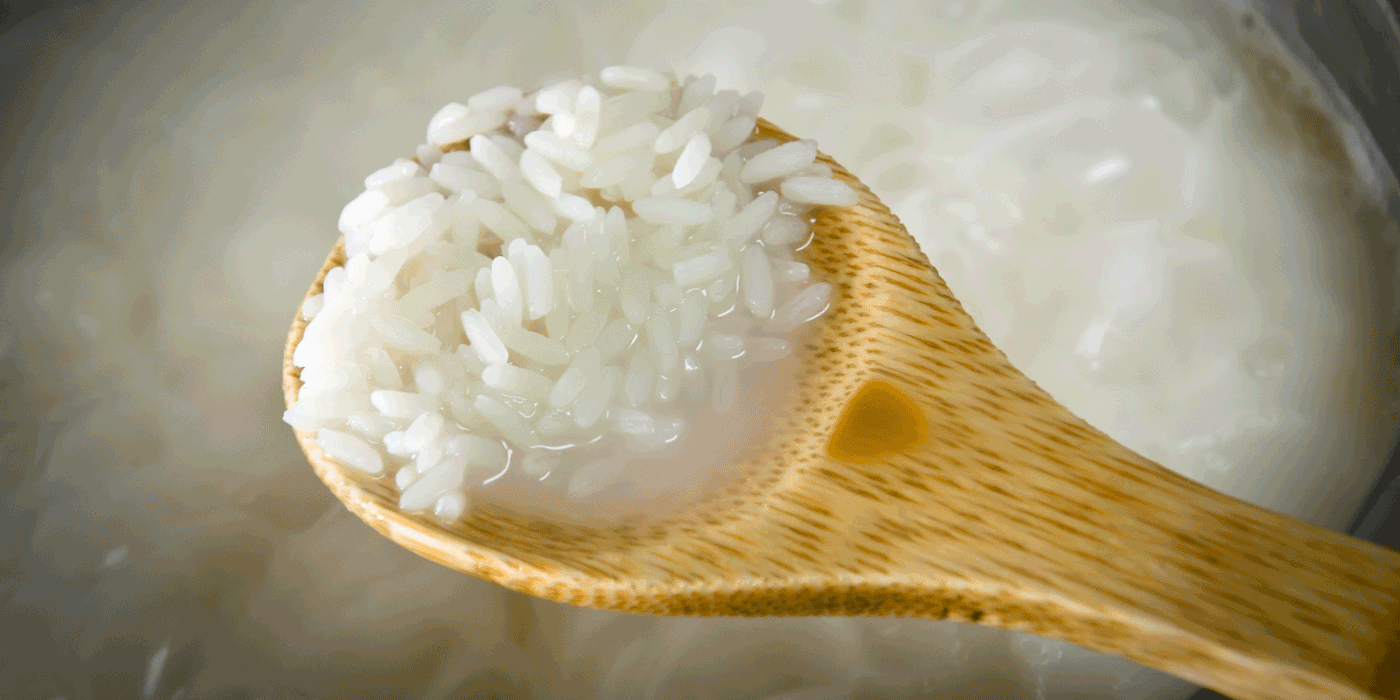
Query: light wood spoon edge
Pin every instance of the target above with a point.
(1011, 512)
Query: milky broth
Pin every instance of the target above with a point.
(1143, 210)
(710, 454)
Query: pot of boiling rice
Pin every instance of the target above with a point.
(1179, 219)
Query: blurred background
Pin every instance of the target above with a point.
(172, 172)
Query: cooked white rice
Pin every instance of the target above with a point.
(161, 529)
(596, 244)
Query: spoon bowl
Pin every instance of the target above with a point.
(919, 474)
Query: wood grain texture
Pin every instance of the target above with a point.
(1009, 511)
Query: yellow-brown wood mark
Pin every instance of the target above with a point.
(1011, 512)
(879, 420)
(1386, 683)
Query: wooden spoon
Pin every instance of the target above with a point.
(919, 474)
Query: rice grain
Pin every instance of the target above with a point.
(777, 162)
(819, 190)
(350, 451)
(633, 78)
(692, 160)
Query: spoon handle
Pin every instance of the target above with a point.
(1096, 545)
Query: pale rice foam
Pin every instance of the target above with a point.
(542, 301)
